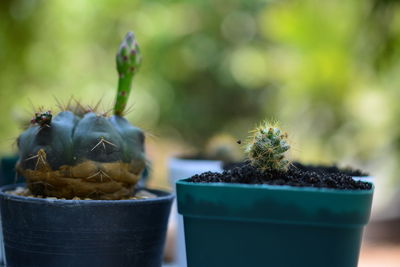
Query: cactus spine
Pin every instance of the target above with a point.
(267, 146)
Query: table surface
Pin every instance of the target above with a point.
(380, 255)
(371, 256)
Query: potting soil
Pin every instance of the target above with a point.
(294, 176)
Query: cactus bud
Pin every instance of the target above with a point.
(128, 62)
(266, 148)
(42, 119)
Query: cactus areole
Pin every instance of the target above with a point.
(86, 154)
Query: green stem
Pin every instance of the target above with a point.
(128, 62)
(124, 88)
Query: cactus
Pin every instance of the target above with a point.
(266, 148)
(86, 154)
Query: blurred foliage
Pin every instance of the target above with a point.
(328, 70)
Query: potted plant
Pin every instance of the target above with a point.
(79, 206)
(267, 213)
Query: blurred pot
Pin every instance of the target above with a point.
(7, 176)
(180, 168)
(7, 171)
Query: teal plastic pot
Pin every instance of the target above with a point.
(7, 176)
(280, 226)
(7, 171)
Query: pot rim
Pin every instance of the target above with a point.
(162, 196)
(283, 204)
(287, 188)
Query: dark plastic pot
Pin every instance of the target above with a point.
(281, 226)
(51, 232)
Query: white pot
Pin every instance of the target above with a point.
(180, 169)
(369, 179)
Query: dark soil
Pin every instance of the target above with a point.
(330, 169)
(308, 167)
(247, 174)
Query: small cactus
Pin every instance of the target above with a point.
(81, 153)
(266, 148)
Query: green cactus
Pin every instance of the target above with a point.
(267, 146)
(85, 154)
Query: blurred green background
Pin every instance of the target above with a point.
(328, 70)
